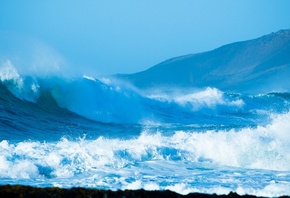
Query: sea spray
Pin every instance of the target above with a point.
(103, 133)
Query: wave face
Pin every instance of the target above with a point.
(103, 133)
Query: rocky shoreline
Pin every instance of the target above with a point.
(55, 192)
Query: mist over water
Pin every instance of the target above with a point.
(61, 126)
(209, 122)
(85, 131)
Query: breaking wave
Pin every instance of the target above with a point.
(103, 133)
(153, 158)
(104, 100)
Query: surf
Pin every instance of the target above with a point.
(149, 160)
(109, 101)
(104, 133)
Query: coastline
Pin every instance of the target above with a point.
(28, 191)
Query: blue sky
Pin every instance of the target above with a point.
(108, 37)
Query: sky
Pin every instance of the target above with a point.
(108, 37)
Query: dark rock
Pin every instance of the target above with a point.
(35, 192)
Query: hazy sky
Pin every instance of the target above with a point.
(126, 36)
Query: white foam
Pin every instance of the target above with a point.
(23, 88)
(261, 147)
(180, 188)
(4, 164)
(89, 78)
(9, 73)
(154, 161)
(208, 98)
(134, 185)
(151, 186)
(25, 169)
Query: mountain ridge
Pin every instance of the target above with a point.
(258, 64)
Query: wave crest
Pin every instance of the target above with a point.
(25, 88)
(105, 100)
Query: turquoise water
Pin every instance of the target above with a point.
(102, 133)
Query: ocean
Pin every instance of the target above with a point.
(106, 134)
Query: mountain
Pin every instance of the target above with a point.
(261, 64)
